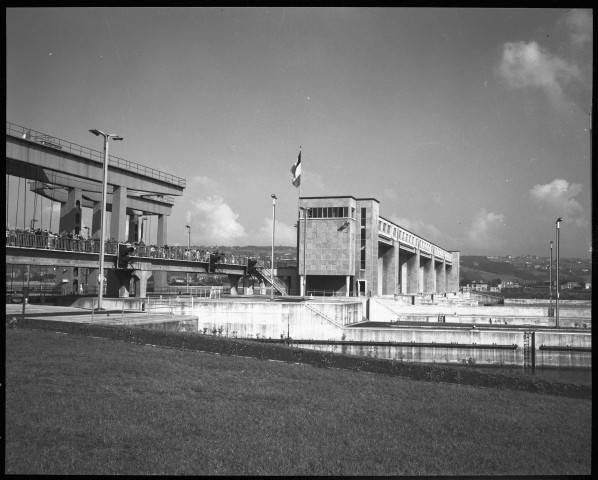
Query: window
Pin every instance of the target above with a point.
(330, 212)
(363, 239)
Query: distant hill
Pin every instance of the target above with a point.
(476, 267)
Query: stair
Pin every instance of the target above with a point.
(266, 275)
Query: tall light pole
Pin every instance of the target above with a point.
(304, 281)
(558, 230)
(550, 284)
(107, 137)
(273, 230)
(188, 227)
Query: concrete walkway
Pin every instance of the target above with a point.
(81, 315)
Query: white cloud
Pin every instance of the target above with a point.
(284, 234)
(216, 221)
(565, 78)
(558, 199)
(528, 65)
(485, 234)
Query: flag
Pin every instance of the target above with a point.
(296, 171)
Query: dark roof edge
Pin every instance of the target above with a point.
(339, 196)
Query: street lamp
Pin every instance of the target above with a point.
(304, 281)
(33, 220)
(550, 284)
(273, 230)
(558, 229)
(107, 136)
(188, 227)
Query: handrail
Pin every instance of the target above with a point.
(64, 145)
(331, 320)
(266, 273)
(391, 230)
(47, 241)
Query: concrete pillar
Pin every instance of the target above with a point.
(141, 277)
(429, 285)
(134, 229)
(160, 278)
(70, 212)
(162, 230)
(348, 285)
(389, 269)
(440, 276)
(412, 273)
(262, 287)
(96, 220)
(452, 273)
(379, 276)
(234, 284)
(118, 221)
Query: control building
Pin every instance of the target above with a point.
(346, 248)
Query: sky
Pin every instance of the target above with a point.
(470, 126)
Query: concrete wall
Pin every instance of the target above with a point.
(333, 320)
(388, 309)
(563, 358)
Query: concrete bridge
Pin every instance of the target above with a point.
(72, 175)
(40, 250)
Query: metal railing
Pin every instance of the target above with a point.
(390, 230)
(45, 240)
(66, 146)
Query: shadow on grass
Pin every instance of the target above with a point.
(284, 351)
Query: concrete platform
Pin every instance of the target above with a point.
(82, 315)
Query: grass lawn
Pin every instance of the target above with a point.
(83, 405)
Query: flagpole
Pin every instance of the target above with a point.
(299, 228)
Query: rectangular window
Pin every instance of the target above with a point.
(362, 256)
(363, 211)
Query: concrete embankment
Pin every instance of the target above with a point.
(335, 322)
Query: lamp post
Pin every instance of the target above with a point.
(550, 283)
(188, 227)
(273, 230)
(558, 229)
(33, 220)
(304, 281)
(107, 137)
